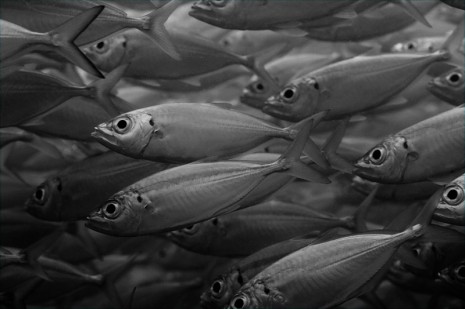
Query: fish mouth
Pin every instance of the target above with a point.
(104, 135)
(201, 6)
(251, 101)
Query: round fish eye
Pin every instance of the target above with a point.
(217, 288)
(111, 210)
(289, 94)
(411, 46)
(101, 47)
(454, 78)
(218, 3)
(39, 195)
(122, 125)
(191, 229)
(378, 155)
(258, 87)
(453, 195)
(239, 302)
(460, 272)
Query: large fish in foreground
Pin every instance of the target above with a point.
(191, 193)
(357, 84)
(186, 132)
(431, 149)
(17, 40)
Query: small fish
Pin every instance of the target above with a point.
(451, 207)
(199, 56)
(47, 14)
(454, 277)
(364, 81)
(420, 45)
(81, 188)
(191, 193)
(17, 41)
(430, 149)
(254, 228)
(458, 4)
(28, 94)
(449, 87)
(178, 132)
(282, 70)
(352, 262)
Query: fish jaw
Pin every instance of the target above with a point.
(104, 135)
(204, 11)
(450, 214)
(252, 101)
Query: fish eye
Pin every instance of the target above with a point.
(289, 94)
(111, 210)
(460, 272)
(378, 155)
(191, 229)
(39, 195)
(411, 46)
(239, 302)
(453, 195)
(259, 87)
(217, 288)
(122, 125)
(454, 79)
(101, 47)
(219, 3)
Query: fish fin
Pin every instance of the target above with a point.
(131, 298)
(444, 179)
(454, 42)
(63, 37)
(257, 65)
(9, 172)
(362, 210)
(330, 149)
(413, 11)
(425, 215)
(157, 31)
(47, 147)
(311, 149)
(403, 219)
(103, 88)
(290, 160)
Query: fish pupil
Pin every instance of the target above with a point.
(111, 208)
(452, 194)
(260, 86)
(289, 93)
(122, 124)
(39, 194)
(376, 155)
(239, 303)
(100, 45)
(216, 287)
(454, 78)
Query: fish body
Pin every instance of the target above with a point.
(451, 207)
(191, 193)
(254, 228)
(282, 70)
(458, 4)
(78, 190)
(17, 40)
(331, 272)
(45, 15)
(431, 148)
(449, 86)
(186, 132)
(349, 86)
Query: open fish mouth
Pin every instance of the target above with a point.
(104, 135)
(201, 6)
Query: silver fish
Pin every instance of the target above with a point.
(451, 207)
(449, 87)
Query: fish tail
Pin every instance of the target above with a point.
(157, 30)
(104, 87)
(290, 160)
(310, 149)
(413, 11)
(453, 44)
(330, 149)
(63, 37)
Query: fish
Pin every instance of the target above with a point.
(76, 191)
(27, 94)
(191, 193)
(387, 19)
(414, 154)
(454, 278)
(420, 45)
(379, 78)
(455, 3)
(254, 228)
(17, 40)
(451, 207)
(145, 60)
(289, 281)
(282, 70)
(178, 132)
(449, 87)
(46, 14)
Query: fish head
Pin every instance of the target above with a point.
(109, 53)
(256, 92)
(386, 162)
(221, 291)
(216, 12)
(257, 295)
(447, 85)
(117, 216)
(454, 275)
(47, 201)
(128, 133)
(297, 101)
(424, 45)
(451, 206)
